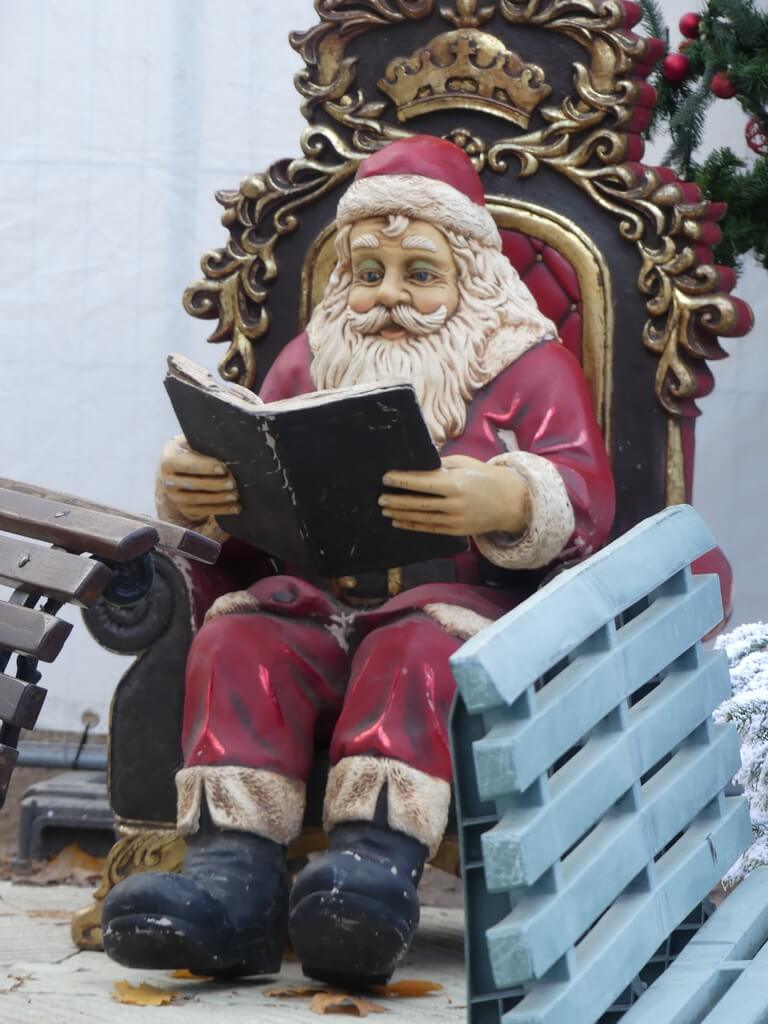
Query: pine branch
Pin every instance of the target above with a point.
(653, 19)
(723, 177)
(748, 28)
(687, 127)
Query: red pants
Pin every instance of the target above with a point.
(264, 687)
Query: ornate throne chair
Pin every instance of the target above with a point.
(550, 101)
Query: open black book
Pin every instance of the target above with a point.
(309, 469)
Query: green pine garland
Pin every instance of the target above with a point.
(733, 38)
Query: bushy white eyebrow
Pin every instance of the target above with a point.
(418, 242)
(365, 242)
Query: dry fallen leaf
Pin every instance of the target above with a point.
(185, 975)
(340, 1002)
(72, 866)
(408, 988)
(292, 991)
(142, 995)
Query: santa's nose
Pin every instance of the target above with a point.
(392, 293)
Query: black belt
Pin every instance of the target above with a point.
(374, 587)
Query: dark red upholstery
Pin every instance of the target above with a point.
(555, 287)
(553, 284)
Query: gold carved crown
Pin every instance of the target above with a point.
(469, 70)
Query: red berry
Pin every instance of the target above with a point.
(690, 25)
(676, 67)
(722, 86)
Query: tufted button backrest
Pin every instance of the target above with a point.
(553, 283)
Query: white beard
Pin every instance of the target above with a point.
(446, 366)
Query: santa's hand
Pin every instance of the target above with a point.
(465, 497)
(198, 486)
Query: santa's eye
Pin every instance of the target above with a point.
(423, 276)
(369, 272)
(370, 276)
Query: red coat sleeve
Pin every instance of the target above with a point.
(544, 400)
(289, 374)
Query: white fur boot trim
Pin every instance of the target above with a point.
(235, 603)
(417, 803)
(550, 517)
(243, 799)
(459, 622)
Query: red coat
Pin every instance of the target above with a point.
(543, 400)
(263, 686)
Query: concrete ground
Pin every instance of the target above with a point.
(43, 977)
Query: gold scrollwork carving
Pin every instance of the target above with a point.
(467, 70)
(686, 309)
(586, 139)
(468, 13)
(134, 854)
(263, 210)
(473, 146)
(329, 75)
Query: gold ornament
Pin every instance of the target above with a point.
(466, 70)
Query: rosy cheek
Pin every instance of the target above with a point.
(361, 300)
(429, 300)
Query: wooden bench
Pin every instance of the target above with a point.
(43, 536)
(590, 782)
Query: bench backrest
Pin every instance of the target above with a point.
(43, 578)
(590, 777)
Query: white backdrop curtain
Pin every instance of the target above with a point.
(120, 120)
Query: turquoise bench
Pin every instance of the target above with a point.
(589, 792)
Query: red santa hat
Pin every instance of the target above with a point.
(425, 178)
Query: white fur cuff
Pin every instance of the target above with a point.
(419, 198)
(460, 622)
(241, 799)
(551, 520)
(417, 803)
(234, 603)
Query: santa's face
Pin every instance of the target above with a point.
(400, 276)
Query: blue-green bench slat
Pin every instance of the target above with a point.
(593, 823)
(529, 839)
(713, 981)
(515, 751)
(498, 664)
(543, 925)
(629, 933)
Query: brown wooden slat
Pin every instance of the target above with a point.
(170, 537)
(20, 703)
(32, 632)
(54, 573)
(75, 528)
(8, 758)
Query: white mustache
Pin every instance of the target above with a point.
(414, 323)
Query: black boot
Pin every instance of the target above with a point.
(354, 909)
(225, 914)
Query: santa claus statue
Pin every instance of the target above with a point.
(421, 292)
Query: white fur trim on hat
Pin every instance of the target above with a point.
(550, 521)
(421, 199)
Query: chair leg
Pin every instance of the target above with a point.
(149, 850)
